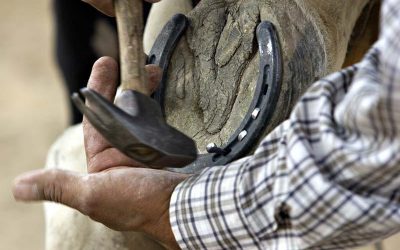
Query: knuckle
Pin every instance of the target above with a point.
(52, 190)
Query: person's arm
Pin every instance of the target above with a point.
(329, 177)
(107, 6)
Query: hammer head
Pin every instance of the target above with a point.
(135, 125)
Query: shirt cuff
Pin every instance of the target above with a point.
(206, 210)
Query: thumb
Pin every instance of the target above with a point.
(50, 185)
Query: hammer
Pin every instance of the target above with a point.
(135, 124)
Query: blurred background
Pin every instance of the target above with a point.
(33, 112)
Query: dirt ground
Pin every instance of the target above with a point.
(33, 113)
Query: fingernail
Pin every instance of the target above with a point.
(25, 192)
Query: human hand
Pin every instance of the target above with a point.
(100, 154)
(116, 192)
(123, 199)
(107, 6)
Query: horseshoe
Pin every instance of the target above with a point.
(261, 108)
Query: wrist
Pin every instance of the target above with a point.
(161, 231)
(159, 227)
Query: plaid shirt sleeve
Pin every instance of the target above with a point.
(327, 178)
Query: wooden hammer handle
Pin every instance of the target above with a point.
(129, 14)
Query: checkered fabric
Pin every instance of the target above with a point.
(327, 178)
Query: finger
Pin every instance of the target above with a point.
(103, 80)
(104, 77)
(105, 6)
(50, 185)
(154, 74)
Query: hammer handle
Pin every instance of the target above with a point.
(129, 14)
